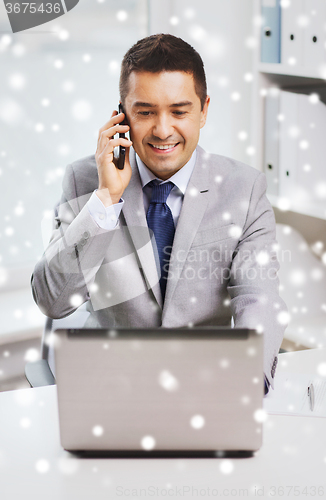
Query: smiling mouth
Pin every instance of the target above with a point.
(164, 147)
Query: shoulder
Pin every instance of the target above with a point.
(227, 167)
(80, 177)
(230, 178)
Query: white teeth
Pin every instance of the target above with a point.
(170, 146)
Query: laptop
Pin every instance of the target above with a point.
(160, 392)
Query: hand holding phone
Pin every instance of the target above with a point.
(114, 174)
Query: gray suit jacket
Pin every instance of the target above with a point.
(223, 261)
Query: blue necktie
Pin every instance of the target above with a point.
(160, 221)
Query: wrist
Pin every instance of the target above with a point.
(106, 198)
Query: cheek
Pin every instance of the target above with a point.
(191, 129)
(191, 134)
(137, 132)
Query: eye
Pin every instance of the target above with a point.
(180, 113)
(144, 113)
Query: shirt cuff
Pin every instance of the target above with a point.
(105, 217)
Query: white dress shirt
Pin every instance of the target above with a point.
(107, 217)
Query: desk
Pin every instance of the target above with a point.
(34, 466)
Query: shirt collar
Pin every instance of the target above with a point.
(180, 178)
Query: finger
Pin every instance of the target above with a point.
(127, 156)
(115, 121)
(115, 118)
(108, 123)
(113, 143)
(111, 169)
(110, 133)
(110, 145)
(126, 160)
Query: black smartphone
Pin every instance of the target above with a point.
(122, 149)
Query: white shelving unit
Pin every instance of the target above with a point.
(267, 76)
(297, 71)
(307, 323)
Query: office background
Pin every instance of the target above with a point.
(59, 85)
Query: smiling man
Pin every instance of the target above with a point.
(178, 237)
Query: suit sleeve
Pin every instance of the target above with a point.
(254, 285)
(63, 276)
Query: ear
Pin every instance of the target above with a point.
(204, 111)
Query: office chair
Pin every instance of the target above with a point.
(41, 372)
(38, 373)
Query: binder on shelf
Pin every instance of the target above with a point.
(295, 150)
(271, 140)
(292, 33)
(314, 53)
(288, 144)
(311, 179)
(271, 31)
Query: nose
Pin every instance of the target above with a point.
(163, 127)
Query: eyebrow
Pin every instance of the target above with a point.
(180, 104)
(140, 104)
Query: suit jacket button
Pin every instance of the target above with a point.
(86, 235)
(83, 242)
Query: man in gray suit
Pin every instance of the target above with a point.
(178, 237)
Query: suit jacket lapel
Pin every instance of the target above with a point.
(193, 208)
(135, 217)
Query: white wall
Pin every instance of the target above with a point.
(50, 114)
(58, 86)
(221, 31)
(72, 62)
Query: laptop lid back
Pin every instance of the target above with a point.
(159, 389)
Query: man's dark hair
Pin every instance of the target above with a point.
(163, 52)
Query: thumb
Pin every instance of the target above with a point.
(128, 154)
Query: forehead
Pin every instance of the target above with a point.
(166, 87)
